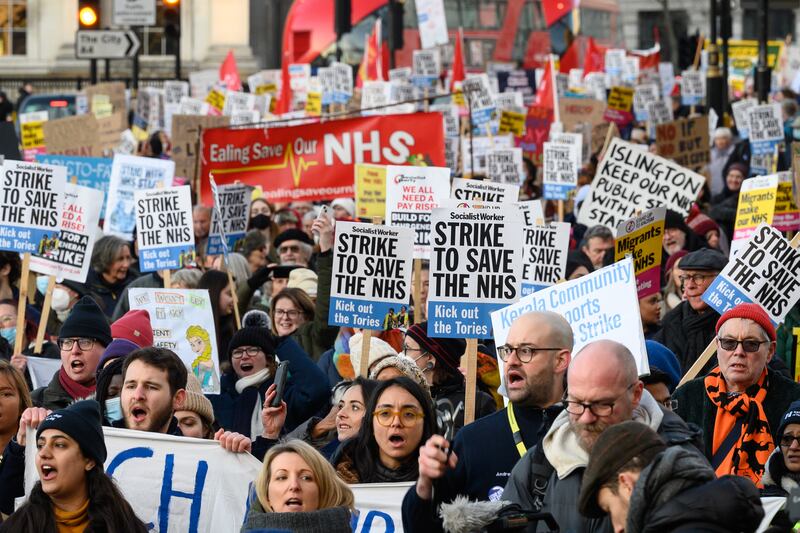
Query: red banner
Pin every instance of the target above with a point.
(315, 161)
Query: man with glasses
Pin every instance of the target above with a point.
(689, 327)
(479, 460)
(82, 340)
(294, 247)
(603, 390)
(739, 404)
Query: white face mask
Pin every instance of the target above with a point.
(60, 300)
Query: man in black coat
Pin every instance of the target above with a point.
(689, 328)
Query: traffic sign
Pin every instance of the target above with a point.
(134, 13)
(106, 44)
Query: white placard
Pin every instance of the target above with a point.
(432, 23)
(484, 191)
(164, 229)
(474, 151)
(504, 165)
(560, 169)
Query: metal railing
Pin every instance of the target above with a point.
(51, 85)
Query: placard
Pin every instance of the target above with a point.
(629, 179)
(685, 141)
(431, 22)
(426, 68)
(371, 275)
(30, 210)
(642, 96)
(741, 115)
(174, 91)
(186, 140)
(476, 268)
(474, 151)
(544, 253)
(379, 506)
(575, 111)
(164, 229)
(766, 271)
(787, 214)
(523, 81)
(236, 102)
(76, 135)
(343, 86)
(128, 174)
(504, 165)
(411, 194)
(375, 94)
(756, 206)
(620, 105)
(641, 237)
(693, 87)
(484, 191)
(575, 139)
(370, 185)
(68, 255)
(659, 112)
(183, 322)
(477, 89)
(94, 172)
(511, 122)
(765, 128)
(600, 305)
(234, 207)
(31, 127)
(560, 171)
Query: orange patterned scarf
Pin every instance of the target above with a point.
(742, 437)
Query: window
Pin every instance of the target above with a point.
(596, 23)
(13, 24)
(154, 43)
(780, 23)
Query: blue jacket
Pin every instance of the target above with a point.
(306, 392)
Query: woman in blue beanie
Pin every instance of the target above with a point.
(74, 494)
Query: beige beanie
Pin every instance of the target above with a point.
(305, 279)
(378, 349)
(196, 400)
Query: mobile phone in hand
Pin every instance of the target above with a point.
(280, 383)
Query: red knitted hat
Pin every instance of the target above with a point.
(752, 312)
(134, 326)
(702, 224)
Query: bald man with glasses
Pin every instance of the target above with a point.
(603, 389)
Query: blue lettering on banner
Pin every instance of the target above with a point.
(482, 116)
(167, 258)
(530, 288)
(94, 172)
(461, 320)
(24, 239)
(140, 452)
(723, 295)
(354, 313)
(195, 497)
(369, 517)
(555, 191)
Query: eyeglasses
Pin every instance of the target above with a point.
(597, 408)
(696, 278)
(291, 313)
(787, 440)
(408, 416)
(292, 248)
(252, 351)
(670, 404)
(525, 352)
(83, 344)
(748, 345)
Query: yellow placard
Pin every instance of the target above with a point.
(755, 206)
(314, 104)
(138, 133)
(643, 244)
(216, 99)
(621, 99)
(32, 134)
(512, 122)
(266, 88)
(458, 98)
(370, 185)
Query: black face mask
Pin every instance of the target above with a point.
(260, 221)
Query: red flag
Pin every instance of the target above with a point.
(544, 93)
(648, 59)
(537, 50)
(570, 58)
(371, 68)
(229, 73)
(284, 104)
(595, 58)
(554, 10)
(458, 61)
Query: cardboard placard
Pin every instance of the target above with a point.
(766, 271)
(186, 137)
(411, 194)
(70, 258)
(371, 282)
(32, 201)
(476, 266)
(629, 179)
(685, 141)
(76, 135)
(575, 111)
(114, 90)
(641, 237)
(164, 229)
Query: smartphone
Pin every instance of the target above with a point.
(280, 383)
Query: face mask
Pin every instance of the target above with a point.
(41, 284)
(60, 300)
(9, 334)
(260, 221)
(114, 409)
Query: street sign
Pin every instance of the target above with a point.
(134, 13)
(106, 44)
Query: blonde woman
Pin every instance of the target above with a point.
(203, 365)
(298, 490)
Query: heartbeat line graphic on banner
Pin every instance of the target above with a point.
(297, 166)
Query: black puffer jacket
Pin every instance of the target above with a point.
(687, 333)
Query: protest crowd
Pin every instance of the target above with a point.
(424, 300)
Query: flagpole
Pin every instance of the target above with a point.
(554, 88)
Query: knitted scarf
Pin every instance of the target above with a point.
(750, 452)
(75, 390)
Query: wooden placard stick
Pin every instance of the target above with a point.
(22, 302)
(417, 288)
(471, 365)
(711, 349)
(48, 298)
(366, 338)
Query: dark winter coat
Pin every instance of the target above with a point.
(53, 396)
(687, 333)
(105, 293)
(316, 336)
(334, 520)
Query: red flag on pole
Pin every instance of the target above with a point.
(648, 59)
(570, 58)
(284, 104)
(458, 60)
(544, 93)
(229, 73)
(371, 64)
(595, 58)
(555, 10)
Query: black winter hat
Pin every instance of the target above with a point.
(292, 234)
(791, 416)
(255, 332)
(87, 320)
(673, 219)
(614, 448)
(81, 421)
(704, 259)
